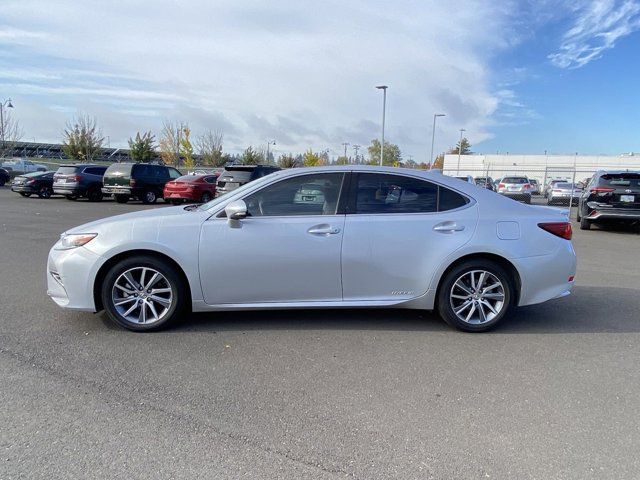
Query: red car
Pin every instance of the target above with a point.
(191, 188)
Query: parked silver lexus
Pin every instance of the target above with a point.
(361, 237)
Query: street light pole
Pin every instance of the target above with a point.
(269, 142)
(7, 103)
(462, 130)
(384, 107)
(433, 137)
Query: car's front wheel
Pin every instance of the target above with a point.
(45, 192)
(143, 293)
(206, 197)
(121, 198)
(475, 295)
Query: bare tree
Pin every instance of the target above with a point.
(169, 144)
(10, 133)
(83, 139)
(209, 146)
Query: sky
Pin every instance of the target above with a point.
(518, 76)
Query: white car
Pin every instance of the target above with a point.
(381, 237)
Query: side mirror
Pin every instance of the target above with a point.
(236, 210)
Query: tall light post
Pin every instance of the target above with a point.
(384, 107)
(345, 145)
(269, 142)
(433, 137)
(6, 104)
(462, 130)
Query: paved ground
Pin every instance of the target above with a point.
(553, 393)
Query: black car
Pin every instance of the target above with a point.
(81, 180)
(486, 182)
(144, 181)
(4, 176)
(235, 176)
(35, 183)
(610, 196)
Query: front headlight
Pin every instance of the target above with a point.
(74, 240)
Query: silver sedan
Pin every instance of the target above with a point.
(364, 237)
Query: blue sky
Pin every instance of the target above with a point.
(519, 76)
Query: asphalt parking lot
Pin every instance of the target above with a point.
(367, 394)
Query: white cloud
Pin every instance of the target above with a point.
(598, 25)
(300, 72)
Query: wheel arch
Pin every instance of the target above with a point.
(104, 268)
(500, 260)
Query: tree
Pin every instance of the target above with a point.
(288, 161)
(10, 133)
(342, 160)
(209, 147)
(82, 139)
(311, 159)
(392, 155)
(439, 162)
(142, 148)
(186, 149)
(251, 157)
(170, 142)
(466, 147)
(411, 163)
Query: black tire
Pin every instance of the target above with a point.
(149, 197)
(528, 201)
(71, 197)
(121, 198)
(2, 182)
(585, 224)
(206, 197)
(174, 202)
(94, 195)
(179, 293)
(24, 194)
(444, 302)
(45, 192)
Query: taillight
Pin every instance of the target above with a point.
(501, 185)
(559, 229)
(132, 182)
(76, 178)
(526, 186)
(602, 190)
(30, 182)
(557, 191)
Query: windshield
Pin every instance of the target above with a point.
(240, 190)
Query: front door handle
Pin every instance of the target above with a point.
(448, 227)
(323, 229)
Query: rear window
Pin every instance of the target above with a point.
(621, 179)
(515, 180)
(563, 185)
(119, 169)
(67, 170)
(236, 175)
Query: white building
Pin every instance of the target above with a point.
(540, 167)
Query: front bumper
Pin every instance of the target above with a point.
(70, 277)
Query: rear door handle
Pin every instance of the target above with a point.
(448, 227)
(323, 229)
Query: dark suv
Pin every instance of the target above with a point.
(235, 176)
(610, 196)
(144, 181)
(83, 180)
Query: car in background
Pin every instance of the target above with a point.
(551, 184)
(142, 181)
(465, 178)
(235, 176)
(324, 237)
(517, 188)
(486, 182)
(610, 196)
(563, 192)
(191, 188)
(34, 183)
(5, 176)
(23, 166)
(79, 180)
(535, 186)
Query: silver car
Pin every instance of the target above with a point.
(563, 192)
(379, 237)
(518, 188)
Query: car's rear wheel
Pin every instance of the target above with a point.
(585, 224)
(475, 295)
(94, 195)
(143, 293)
(149, 197)
(45, 192)
(25, 194)
(71, 197)
(121, 198)
(206, 197)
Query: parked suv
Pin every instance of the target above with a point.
(235, 176)
(517, 188)
(610, 196)
(4, 176)
(75, 181)
(144, 181)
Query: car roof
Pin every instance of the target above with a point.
(615, 172)
(82, 165)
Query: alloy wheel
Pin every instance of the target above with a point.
(142, 295)
(477, 297)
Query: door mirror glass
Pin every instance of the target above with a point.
(236, 210)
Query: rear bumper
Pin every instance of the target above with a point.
(117, 190)
(603, 213)
(60, 190)
(178, 196)
(521, 196)
(23, 189)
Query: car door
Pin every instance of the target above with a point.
(398, 230)
(286, 250)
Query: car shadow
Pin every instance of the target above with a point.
(587, 310)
